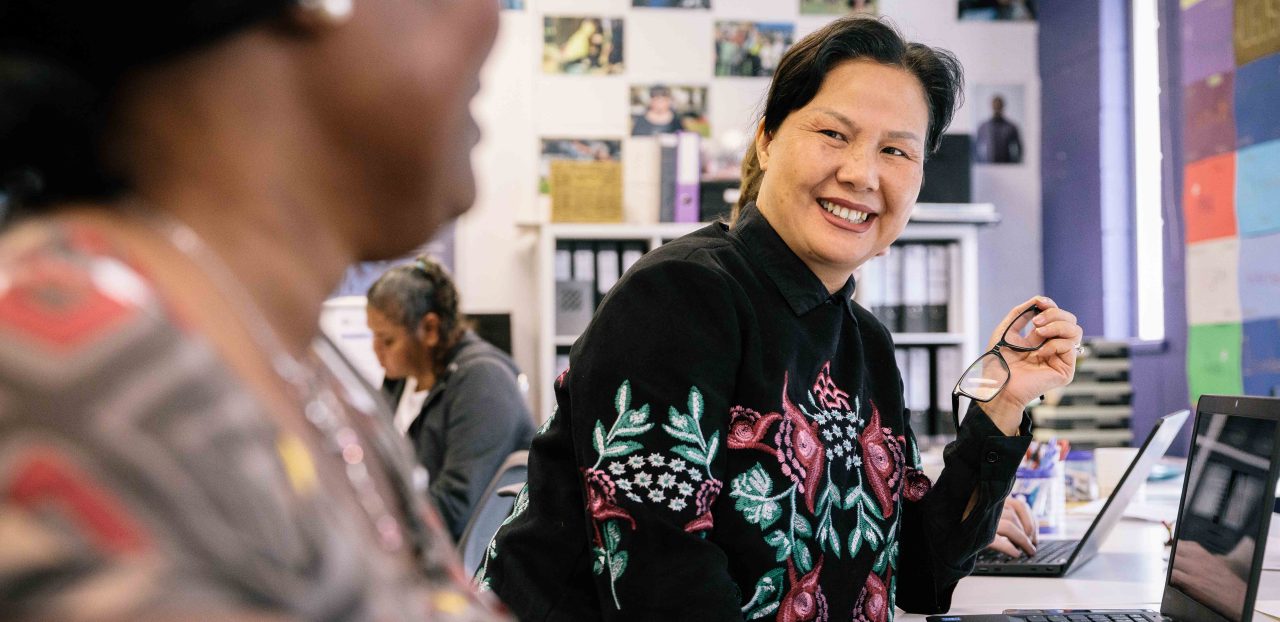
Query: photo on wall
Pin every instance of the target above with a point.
(672, 4)
(666, 109)
(999, 110)
(838, 7)
(582, 45)
(751, 49)
(576, 150)
(997, 10)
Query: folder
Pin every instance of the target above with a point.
(607, 265)
(892, 289)
(915, 287)
(938, 287)
(688, 173)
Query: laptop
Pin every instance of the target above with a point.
(1055, 558)
(1223, 517)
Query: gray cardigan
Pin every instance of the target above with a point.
(473, 419)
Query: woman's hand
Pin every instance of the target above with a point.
(1031, 374)
(1017, 531)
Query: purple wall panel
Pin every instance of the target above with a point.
(1206, 40)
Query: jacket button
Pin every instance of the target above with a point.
(992, 457)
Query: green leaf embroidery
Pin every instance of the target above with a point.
(855, 536)
(622, 401)
(804, 561)
(691, 454)
(620, 448)
(598, 566)
(695, 404)
(597, 438)
(767, 595)
(781, 542)
(853, 496)
(618, 564)
(612, 535)
(801, 525)
(712, 445)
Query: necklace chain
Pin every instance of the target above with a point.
(321, 407)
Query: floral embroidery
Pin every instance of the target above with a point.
(799, 452)
(646, 477)
(804, 601)
(829, 396)
(884, 461)
(491, 552)
(873, 603)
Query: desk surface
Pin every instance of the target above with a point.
(1128, 572)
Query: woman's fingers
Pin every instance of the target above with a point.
(1002, 545)
(1022, 512)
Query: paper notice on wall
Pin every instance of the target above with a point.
(1257, 30)
(1213, 287)
(1260, 277)
(1260, 357)
(1213, 360)
(586, 191)
(1208, 198)
(1258, 188)
(1210, 127)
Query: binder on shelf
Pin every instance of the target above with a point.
(607, 265)
(938, 263)
(869, 287)
(688, 173)
(631, 253)
(584, 263)
(918, 370)
(891, 291)
(949, 362)
(667, 169)
(915, 287)
(563, 262)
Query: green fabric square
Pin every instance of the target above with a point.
(1213, 359)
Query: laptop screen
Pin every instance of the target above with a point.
(1221, 520)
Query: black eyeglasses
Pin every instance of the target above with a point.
(986, 377)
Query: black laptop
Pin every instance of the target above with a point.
(1054, 558)
(1223, 517)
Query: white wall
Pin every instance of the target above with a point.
(518, 105)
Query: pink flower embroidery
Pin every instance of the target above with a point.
(747, 427)
(800, 452)
(706, 495)
(829, 395)
(805, 600)
(873, 602)
(883, 461)
(602, 500)
(917, 485)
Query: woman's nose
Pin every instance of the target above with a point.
(860, 170)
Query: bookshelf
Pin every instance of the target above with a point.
(955, 225)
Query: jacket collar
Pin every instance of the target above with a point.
(765, 249)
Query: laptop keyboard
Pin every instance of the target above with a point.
(1109, 616)
(1050, 552)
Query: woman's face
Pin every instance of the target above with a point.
(397, 83)
(842, 174)
(400, 352)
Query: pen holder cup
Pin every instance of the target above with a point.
(1044, 489)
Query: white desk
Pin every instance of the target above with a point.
(1128, 572)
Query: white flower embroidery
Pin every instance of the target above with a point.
(676, 465)
(677, 504)
(666, 480)
(852, 432)
(695, 475)
(656, 495)
(857, 461)
(685, 489)
(635, 462)
(643, 479)
(657, 459)
(617, 468)
(634, 497)
(624, 484)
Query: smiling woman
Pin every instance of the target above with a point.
(730, 439)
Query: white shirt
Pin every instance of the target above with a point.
(410, 406)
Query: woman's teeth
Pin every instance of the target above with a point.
(853, 216)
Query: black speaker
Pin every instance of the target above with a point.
(948, 176)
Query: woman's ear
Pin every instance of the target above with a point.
(763, 140)
(429, 330)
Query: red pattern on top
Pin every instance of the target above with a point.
(56, 303)
(805, 600)
(829, 395)
(873, 602)
(883, 461)
(800, 451)
(45, 481)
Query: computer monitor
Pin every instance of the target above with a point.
(1225, 510)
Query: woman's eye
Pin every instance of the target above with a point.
(832, 134)
(896, 151)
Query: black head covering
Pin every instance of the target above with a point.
(60, 61)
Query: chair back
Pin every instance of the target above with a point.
(492, 509)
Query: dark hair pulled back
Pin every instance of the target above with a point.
(407, 293)
(806, 64)
(61, 63)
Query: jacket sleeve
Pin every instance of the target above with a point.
(648, 390)
(937, 546)
(485, 413)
